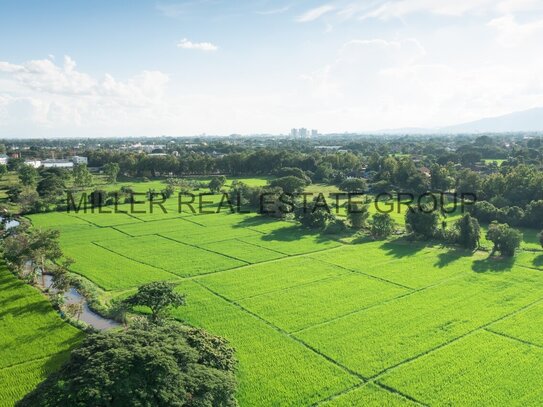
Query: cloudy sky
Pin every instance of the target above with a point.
(130, 68)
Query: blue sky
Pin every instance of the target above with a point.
(107, 68)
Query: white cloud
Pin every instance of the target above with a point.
(315, 13)
(201, 46)
(38, 95)
(511, 33)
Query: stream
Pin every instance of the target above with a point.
(72, 296)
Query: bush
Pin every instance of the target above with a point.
(506, 239)
(382, 226)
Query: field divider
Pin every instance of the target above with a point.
(513, 338)
(191, 221)
(356, 311)
(202, 248)
(284, 333)
(453, 340)
(366, 274)
(278, 290)
(260, 247)
(30, 361)
(136, 261)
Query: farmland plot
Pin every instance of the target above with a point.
(480, 369)
(168, 255)
(33, 338)
(380, 337)
(272, 366)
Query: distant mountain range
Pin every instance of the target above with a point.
(526, 121)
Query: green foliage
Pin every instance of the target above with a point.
(143, 365)
(82, 176)
(28, 175)
(358, 215)
(382, 225)
(354, 185)
(3, 170)
(469, 232)
(158, 296)
(216, 183)
(111, 170)
(289, 184)
(506, 239)
(422, 221)
(314, 216)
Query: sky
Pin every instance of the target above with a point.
(147, 68)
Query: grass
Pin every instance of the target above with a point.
(313, 319)
(174, 257)
(273, 368)
(33, 339)
(480, 369)
(411, 325)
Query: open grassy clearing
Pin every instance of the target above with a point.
(33, 338)
(480, 369)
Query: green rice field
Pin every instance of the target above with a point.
(314, 320)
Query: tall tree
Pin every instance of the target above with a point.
(469, 232)
(112, 171)
(82, 176)
(28, 175)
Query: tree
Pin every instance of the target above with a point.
(469, 232)
(217, 183)
(540, 235)
(143, 365)
(159, 296)
(111, 170)
(354, 185)
(357, 215)
(382, 225)
(3, 170)
(82, 176)
(289, 184)
(44, 247)
(422, 221)
(506, 239)
(28, 175)
(51, 188)
(314, 216)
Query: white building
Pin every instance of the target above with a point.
(294, 133)
(78, 160)
(314, 133)
(33, 163)
(302, 132)
(57, 164)
(3, 159)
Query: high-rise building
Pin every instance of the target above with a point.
(314, 133)
(302, 132)
(294, 133)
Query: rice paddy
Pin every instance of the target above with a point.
(315, 320)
